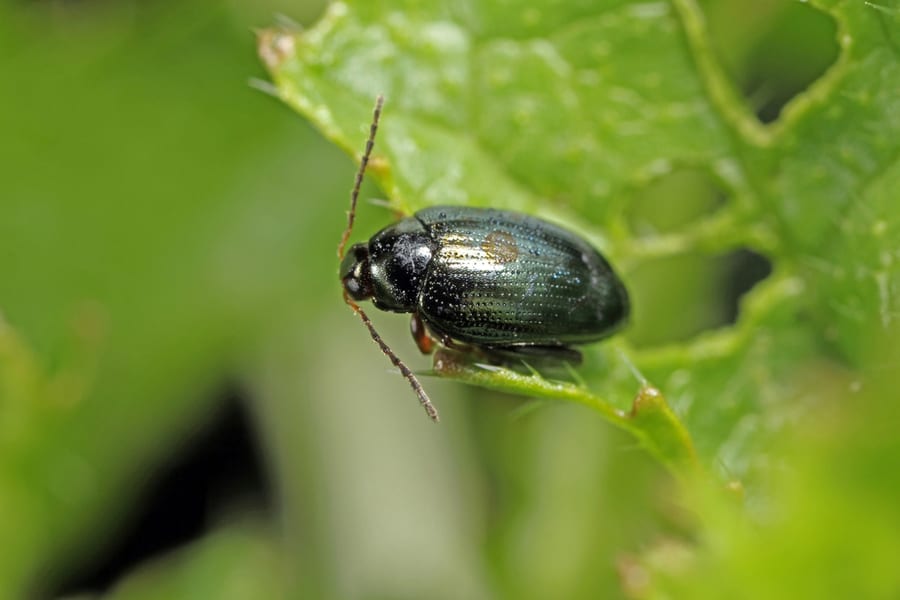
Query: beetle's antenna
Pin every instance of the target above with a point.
(354, 194)
(351, 216)
(395, 360)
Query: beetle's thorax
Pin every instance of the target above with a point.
(398, 261)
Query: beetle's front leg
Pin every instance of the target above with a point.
(420, 334)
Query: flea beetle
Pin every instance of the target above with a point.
(501, 283)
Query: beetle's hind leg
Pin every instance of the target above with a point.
(543, 355)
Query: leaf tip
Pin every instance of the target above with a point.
(274, 46)
(647, 399)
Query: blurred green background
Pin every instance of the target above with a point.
(188, 410)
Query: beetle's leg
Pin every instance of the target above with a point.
(420, 334)
(449, 342)
(552, 353)
(444, 338)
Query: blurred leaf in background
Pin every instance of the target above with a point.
(171, 318)
(158, 216)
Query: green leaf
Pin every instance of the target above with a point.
(650, 419)
(139, 255)
(574, 107)
(563, 109)
(834, 166)
(567, 109)
(160, 222)
(237, 562)
(819, 531)
(33, 403)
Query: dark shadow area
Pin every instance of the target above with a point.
(773, 51)
(744, 270)
(674, 201)
(219, 468)
(678, 297)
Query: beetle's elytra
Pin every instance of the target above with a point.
(489, 278)
(499, 282)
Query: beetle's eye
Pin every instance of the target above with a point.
(355, 273)
(353, 287)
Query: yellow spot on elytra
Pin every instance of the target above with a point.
(501, 247)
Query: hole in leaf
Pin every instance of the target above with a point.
(678, 297)
(773, 50)
(744, 269)
(673, 201)
(219, 471)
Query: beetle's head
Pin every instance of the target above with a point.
(355, 275)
